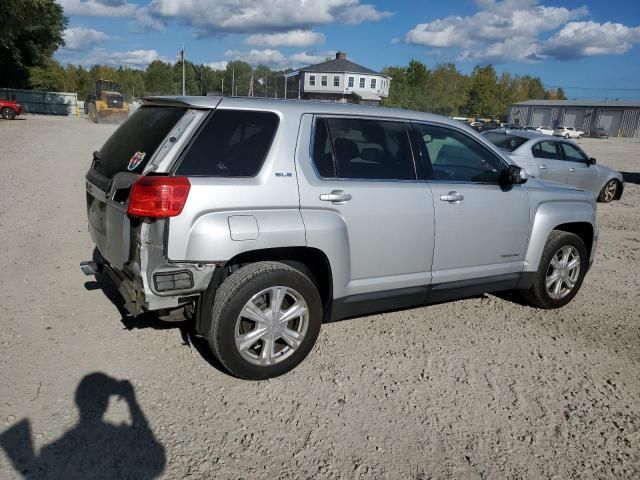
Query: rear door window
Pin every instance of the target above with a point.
(354, 148)
(505, 141)
(133, 144)
(547, 150)
(233, 143)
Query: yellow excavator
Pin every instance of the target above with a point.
(106, 103)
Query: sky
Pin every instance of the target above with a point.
(590, 48)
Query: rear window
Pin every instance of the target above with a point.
(233, 143)
(504, 141)
(134, 143)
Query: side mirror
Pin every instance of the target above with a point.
(516, 175)
(592, 161)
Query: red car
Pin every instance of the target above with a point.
(9, 109)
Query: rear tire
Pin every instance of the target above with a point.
(609, 192)
(247, 335)
(579, 137)
(562, 268)
(8, 113)
(566, 136)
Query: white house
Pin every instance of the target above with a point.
(338, 80)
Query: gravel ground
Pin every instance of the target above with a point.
(479, 388)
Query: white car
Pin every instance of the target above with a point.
(568, 132)
(545, 130)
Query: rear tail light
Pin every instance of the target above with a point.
(158, 197)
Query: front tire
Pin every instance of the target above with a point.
(265, 319)
(8, 113)
(562, 268)
(609, 192)
(566, 136)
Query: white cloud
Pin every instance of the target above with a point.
(80, 38)
(293, 38)
(209, 17)
(360, 14)
(221, 65)
(276, 59)
(579, 39)
(516, 30)
(99, 8)
(137, 59)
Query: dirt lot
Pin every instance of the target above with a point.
(480, 388)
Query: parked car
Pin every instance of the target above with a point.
(10, 109)
(262, 218)
(544, 130)
(568, 132)
(559, 161)
(599, 133)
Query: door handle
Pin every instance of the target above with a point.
(572, 169)
(452, 197)
(336, 196)
(542, 167)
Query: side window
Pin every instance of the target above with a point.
(450, 155)
(352, 148)
(323, 80)
(336, 81)
(312, 80)
(233, 143)
(547, 150)
(361, 82)
(573, 154)
(351, 82)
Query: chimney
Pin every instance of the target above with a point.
(341, 55)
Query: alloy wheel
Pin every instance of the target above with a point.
(563, 272)
(610, 190)
(271, 325)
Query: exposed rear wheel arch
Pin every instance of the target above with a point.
(310, 261)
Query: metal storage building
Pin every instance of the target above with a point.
(621, 118)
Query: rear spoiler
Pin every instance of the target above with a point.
(190, 102)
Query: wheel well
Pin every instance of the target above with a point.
(620, 189)
(582, 229)
(311, 261)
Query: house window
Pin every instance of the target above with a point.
(312, 80)
(351, 80)
(324, 80)
(336, 81)
(373, 83)
(361, 82)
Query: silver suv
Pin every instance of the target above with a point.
(262, 219)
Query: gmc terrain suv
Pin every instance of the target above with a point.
(261, 219)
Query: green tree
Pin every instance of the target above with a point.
(482, 92)
(30, 31)
(51, 77)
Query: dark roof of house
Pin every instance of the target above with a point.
(338, 65)
(579, 103)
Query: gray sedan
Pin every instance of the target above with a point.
(558, 160)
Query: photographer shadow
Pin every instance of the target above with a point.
(94, 448)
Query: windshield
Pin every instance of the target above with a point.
(136, 140)
(505, 141)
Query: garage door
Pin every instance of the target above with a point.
(610, 120)
(541, 117)
(574, 117)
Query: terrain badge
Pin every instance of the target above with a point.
(136, 160)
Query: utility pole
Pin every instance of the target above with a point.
(183, 89)
(233, 81)
(223, 86)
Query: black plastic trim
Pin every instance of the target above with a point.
(376, 302)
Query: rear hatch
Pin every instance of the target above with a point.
(149, 132)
